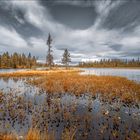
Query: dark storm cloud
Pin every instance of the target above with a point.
(73, 16)
(15, 18)
(124, 16)
(81, 3)
(116, 47)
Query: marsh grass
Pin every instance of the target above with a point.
(69, 134)
(8, 137)
(32, 134)
(109, 87)
(51, 112)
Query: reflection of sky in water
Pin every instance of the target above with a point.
(18, 86)
(11, 70)
(132, 74)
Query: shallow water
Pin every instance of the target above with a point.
(92, 117)
(15, 70)
(11, 70)
(132, 74)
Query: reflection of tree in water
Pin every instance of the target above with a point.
(5, 79)
(15, 79)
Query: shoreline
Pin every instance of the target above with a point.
(27, 73)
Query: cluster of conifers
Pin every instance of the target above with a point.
(16, 60)
(112, 63)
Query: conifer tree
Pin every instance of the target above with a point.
(49, 58)
(17, 60)
(66, 59)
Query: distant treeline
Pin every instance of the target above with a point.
(17, 60)
(112, 63)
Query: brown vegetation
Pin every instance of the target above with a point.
(33, 134)
(51, 113)
(107, 86)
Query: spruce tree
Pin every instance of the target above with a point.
(49, 58)
(66, 58)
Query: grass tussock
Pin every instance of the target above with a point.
(69, 134)
(8, 137)
(108, 86)
(32, 134)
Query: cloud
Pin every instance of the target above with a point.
(20, 20)
(94, 42)
(116, 47)
(10, 38)
(82, 3)
(104, 8)
(126, 16)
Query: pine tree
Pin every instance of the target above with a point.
(34, 59)
(29, 63)
(49, 58)
(15, 60)
(66, 58)
(23, 60)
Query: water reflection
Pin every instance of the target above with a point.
(11, 70)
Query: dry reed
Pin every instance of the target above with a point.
(108, 86)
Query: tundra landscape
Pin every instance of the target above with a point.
(69, 70)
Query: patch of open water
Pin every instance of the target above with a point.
(131, 74)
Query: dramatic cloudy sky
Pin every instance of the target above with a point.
(90, 29)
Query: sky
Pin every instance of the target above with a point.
(89, 29)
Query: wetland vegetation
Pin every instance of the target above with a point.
(62, 104)
(108, 86)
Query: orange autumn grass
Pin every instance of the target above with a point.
(108, 86)
(34, 134)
